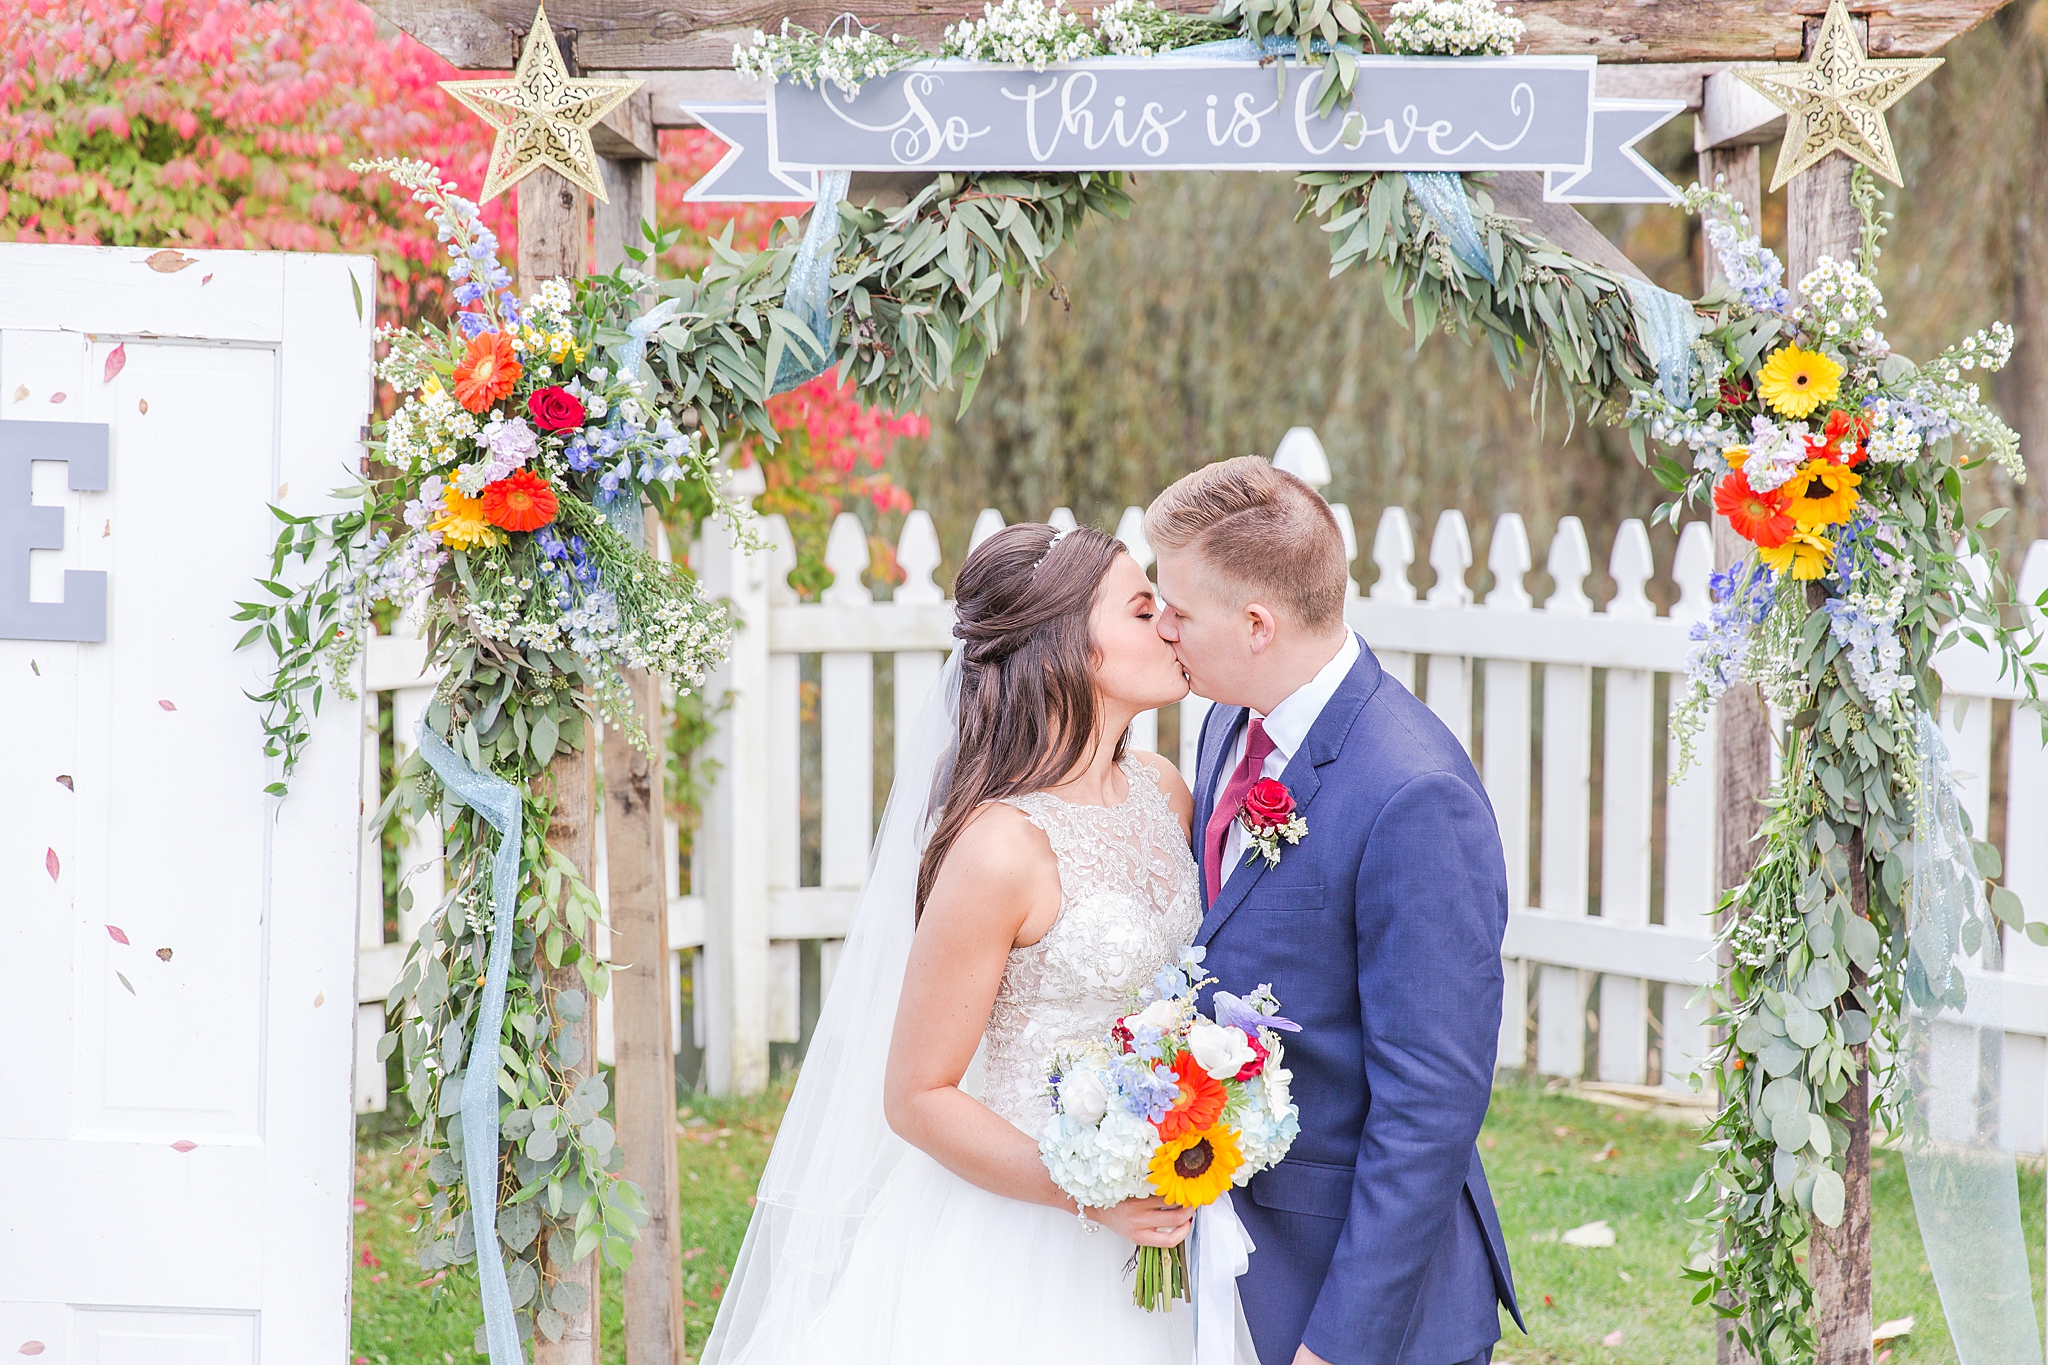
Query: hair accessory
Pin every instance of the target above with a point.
(1050, 546)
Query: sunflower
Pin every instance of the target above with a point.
(463, 526)
(1822, 494)
(1795, 382)
(1193, 1169)
(1804, 555)
(1199, 1104)
(1759, 518)
(486, 372)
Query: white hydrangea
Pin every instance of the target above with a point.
(1100, 1165)
(1022, 33)
(1452, 28)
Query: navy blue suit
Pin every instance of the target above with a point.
(1380, 933)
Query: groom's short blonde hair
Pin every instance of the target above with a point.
(1261, 529)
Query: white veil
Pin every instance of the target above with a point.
(834, 1151)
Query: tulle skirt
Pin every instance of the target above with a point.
(944, 1272)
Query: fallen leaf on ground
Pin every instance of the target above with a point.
(117, 359)
(50, 863)
(319, 999)
(142, 406)
(362, 1206)
(206, 279)
(20, 393)
(125, 983)
(1588, 1236)
(168, 706)
(693, 1253)
(65, 778)
(1612, 1338)
(163, 954)
(168, 262)
(184, 1145)
(1607, 1153)
(59, 397)
(31, 1348)
(1560, 1132)
(1891, 1330)
(1882, 1356)
(114, 933)
(1489, 1144)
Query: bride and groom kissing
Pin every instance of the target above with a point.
(1031, 874)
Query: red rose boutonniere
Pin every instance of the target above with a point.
(1268, 816)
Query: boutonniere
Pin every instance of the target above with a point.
(1268, 816)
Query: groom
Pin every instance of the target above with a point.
(1380, 933)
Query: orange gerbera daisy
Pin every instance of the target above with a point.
(1200, 1102)
(520, 502)
(486, 372)
(1843, 440)
(1759, 518)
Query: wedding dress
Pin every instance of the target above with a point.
(866, 1251)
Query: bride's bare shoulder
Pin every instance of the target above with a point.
(1000, 865)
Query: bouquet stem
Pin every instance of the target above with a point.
(1162, 1277)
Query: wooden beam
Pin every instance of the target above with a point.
(629, 186)
(627, 132)
(1732, 114)
(661, 35)
(1519, 194)
(643, 1066)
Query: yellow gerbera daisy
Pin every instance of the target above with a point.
(1804, 555)
(462, 526)
(1822, 494)
(1795, 382)
(1193, 1169)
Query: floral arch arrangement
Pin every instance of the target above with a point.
(530, 431)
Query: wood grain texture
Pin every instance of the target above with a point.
(643, 1067)
(571, 780)
(665, 35)
(554, 229)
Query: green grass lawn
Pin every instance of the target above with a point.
(1555, 1161)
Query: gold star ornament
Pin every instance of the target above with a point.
(1835, 100)
(543, 115)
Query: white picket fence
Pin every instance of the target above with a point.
(1519, 682)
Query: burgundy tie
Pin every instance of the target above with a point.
(1256, 750)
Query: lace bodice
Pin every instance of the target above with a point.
(1127, 907)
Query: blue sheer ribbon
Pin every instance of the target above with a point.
(1962, 1173)
(1667, 326)
(499, 802)
(810, 287)
(1443, 199)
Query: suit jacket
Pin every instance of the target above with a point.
(1381, 934)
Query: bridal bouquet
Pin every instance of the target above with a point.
(1171, 1103)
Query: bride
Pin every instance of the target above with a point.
(1030, 874)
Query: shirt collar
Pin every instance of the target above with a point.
(1291, 720)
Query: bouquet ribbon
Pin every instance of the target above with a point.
(1222, 1252)
(499, 802)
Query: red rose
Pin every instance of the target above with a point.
(1269, 803)
(1258, 1061)
(555, 409)
(1735, 392)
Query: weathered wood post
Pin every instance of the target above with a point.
(1821, 221)
(643, 1065)
(554, 241)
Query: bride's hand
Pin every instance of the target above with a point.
(1150, 1222)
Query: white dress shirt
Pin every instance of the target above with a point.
(1288, 728)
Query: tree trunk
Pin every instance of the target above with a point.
(572, 782)
(643, 1065)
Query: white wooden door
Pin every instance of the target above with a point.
(175, 1029)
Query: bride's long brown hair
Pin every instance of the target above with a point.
(1027, 682)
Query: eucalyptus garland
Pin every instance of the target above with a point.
(1842, 463)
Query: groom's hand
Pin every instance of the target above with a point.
(1304, 1356)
